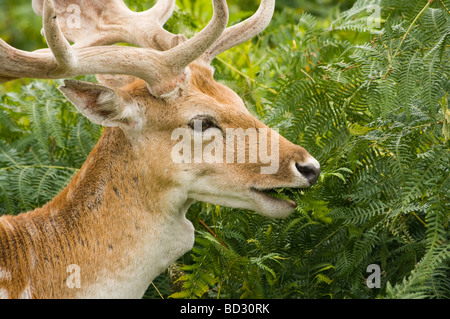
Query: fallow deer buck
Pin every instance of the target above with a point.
(121, 220)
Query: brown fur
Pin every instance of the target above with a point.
(78, 227)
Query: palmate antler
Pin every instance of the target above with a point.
(110, 21)
(161, 60)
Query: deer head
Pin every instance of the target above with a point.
(172, 135)
(167, 84)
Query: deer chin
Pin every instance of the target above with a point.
(255, 199)
(270, 206)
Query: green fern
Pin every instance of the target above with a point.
(40, 162)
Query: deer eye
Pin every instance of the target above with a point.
(201, 123)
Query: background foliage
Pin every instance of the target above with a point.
(365, 93)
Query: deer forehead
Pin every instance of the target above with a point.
(204, 95)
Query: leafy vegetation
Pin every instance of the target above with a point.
(363, 87)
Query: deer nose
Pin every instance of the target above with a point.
(310, 170)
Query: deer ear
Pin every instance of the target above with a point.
(98, 103)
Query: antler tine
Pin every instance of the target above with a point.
(162, 10)
(56, 41)
(186, 52)
(243, 31)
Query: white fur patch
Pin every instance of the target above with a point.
(26, 293)
(5, 274)
(4, 293)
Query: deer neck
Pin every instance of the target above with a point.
(119, 228)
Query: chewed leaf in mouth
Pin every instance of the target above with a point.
(274, 195)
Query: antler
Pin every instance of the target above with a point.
(243, 31)
(110, 21)
(163, 71)
(161, 60)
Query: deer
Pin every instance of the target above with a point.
(121, 220)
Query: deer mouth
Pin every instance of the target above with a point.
(272, 201)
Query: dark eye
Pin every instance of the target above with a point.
(201, 123)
